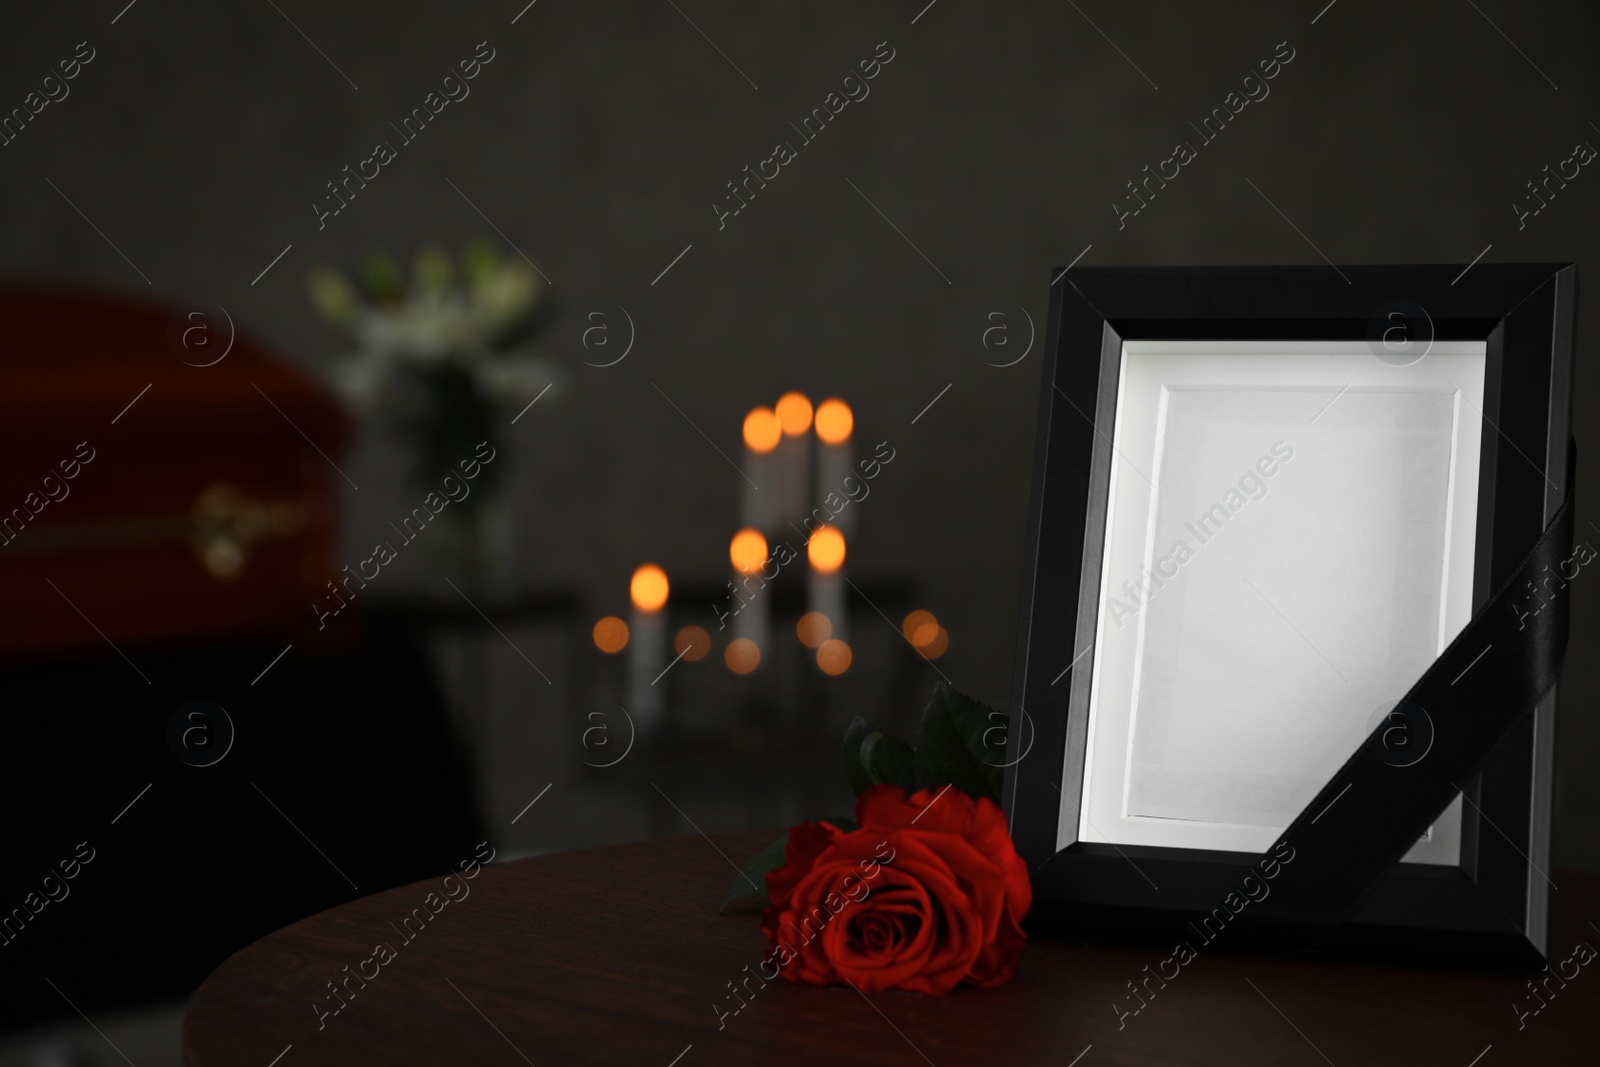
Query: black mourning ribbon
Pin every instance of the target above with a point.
(1385, 797)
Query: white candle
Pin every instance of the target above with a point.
(647, 646)
(835, 454)
(793, 457)
(760, 493)
(825, 585)
(748, 554)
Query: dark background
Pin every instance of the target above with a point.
(995, 142)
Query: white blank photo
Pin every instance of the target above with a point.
(1289, 544)
(1235, 699)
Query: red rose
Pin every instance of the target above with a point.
(927, 893)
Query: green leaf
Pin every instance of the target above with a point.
(889, 759)
(953, 745)
(480, 259)
(860, 779)
(382, 278)
(334, 296)
(434, 268)
(751, 881)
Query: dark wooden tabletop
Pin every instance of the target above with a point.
(618, 956)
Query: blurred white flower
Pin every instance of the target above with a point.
(478, 319)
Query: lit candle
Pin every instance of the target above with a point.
(758, 505)
(748, 554)
(825, 580)
(793, 458)
(647, 646)
(835, 454)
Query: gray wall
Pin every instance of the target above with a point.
(996, 141)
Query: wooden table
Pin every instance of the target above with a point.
(618, 956)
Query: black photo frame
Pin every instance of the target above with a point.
(1494, 903)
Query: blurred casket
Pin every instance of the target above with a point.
(165, 481)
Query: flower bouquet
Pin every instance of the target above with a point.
(449, 356)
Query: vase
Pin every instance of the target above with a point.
(474, 547)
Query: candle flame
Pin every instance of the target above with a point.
(761, 430)
(649, 588)
(835, 421)
(794, 413)
(748, 551)
(825, 549)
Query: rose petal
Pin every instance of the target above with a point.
(806, 842)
